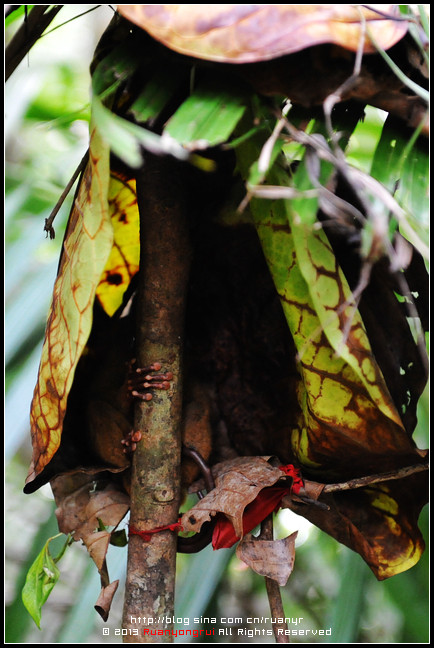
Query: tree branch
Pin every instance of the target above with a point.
(273, 589)
(48, 227)
(155, 486)
(360, 482)
(32, 28)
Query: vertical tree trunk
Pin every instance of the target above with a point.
(155, 487)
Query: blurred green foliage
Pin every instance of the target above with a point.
(47, 110)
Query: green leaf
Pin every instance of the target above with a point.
(208, 117)
(115, 68)
(17, 13)
(401, 164)
(41, 578)
(157, 93)
(347, 611)
(126, 139)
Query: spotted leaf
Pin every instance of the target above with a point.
(348, 424)
(123, 262)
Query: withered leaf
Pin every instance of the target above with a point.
(104, 601)
(82, 501)
(271, 558)
(97, 545)
(251, 33)
(378, 521)
(238, 482)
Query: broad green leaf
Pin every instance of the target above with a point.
(126, 139)
(158, 91)
(257, 174)
(87, 245)
(315, 294)
(347, 610)
(400, 163)
(41, 578)
(119, 65)
(207, 118)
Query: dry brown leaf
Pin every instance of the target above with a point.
(251, 33)
(97, 545)
(104, 601)
(80, 509)
(271, 558)
(82, 502)
(238, 482)
(311, 489)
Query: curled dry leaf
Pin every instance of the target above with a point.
(84, 502)
(271, 558)
(238, 482)
(104, 601)
(97, 545)
(252, 33)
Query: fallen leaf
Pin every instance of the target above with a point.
(251, 33)
(271, 558)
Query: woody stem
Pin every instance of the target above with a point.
(273, 589)
(155, 485)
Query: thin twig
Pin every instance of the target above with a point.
(273, 590)
(48, 227)
(30, 31)
(347, 85)
(360, 482)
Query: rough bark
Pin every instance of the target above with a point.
(155, 487)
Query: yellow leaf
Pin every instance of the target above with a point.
(123, 262)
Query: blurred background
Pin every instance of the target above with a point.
(46, 135)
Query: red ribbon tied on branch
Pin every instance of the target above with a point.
(146, 535)
(267, 501)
